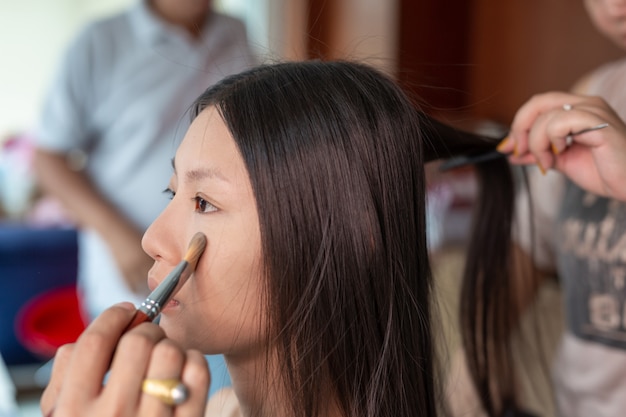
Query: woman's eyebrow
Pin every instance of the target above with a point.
(199, 174)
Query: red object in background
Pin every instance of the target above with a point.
(49, 321)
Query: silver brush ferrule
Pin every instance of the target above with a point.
(160, 296)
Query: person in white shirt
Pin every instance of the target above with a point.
(114, 114)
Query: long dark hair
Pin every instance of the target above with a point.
(488, 302)
(334, 152)
(489, 313)
(489, 306)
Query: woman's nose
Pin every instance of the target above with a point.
(160, 239)
(616, 8)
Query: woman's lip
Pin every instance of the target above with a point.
(152, 283)
(173, 303)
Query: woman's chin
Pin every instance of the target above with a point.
(177, 329)
(170, 323)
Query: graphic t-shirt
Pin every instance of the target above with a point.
(583, 236)
(592, 262)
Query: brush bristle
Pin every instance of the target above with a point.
(196, 247)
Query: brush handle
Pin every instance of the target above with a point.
(161, 295)
(140, 317)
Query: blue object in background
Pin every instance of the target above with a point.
(220, 378)
(32, 261)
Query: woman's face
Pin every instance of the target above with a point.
(218, 309)
(609, 17)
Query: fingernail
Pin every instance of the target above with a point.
(126, 305)
(541, 168)
(504, 143)
(554, 149)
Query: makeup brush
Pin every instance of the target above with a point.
(161, 295)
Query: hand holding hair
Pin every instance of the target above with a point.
(547, 131)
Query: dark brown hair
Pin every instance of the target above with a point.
(489, 306)
(334, 151)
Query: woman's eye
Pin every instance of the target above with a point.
(203, 206)
(169, 193)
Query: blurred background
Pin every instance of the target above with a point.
(471, 63)
(468, 60)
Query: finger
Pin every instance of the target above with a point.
(59, 366)
(528, 159)
(579, 125)
(550, 123)
(93, 351)
(197, 378)
(530, 111)
(130, 365)
(539, 144)
(166, 362)
(539, 104)
(506, 145)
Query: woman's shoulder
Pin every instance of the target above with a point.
(605, 77)
(223, 403)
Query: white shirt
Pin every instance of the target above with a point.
(122, 95)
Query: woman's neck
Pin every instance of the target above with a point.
(260, 390)
(257, 386)
(188, 16)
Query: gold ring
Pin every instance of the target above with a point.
(170, 391)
